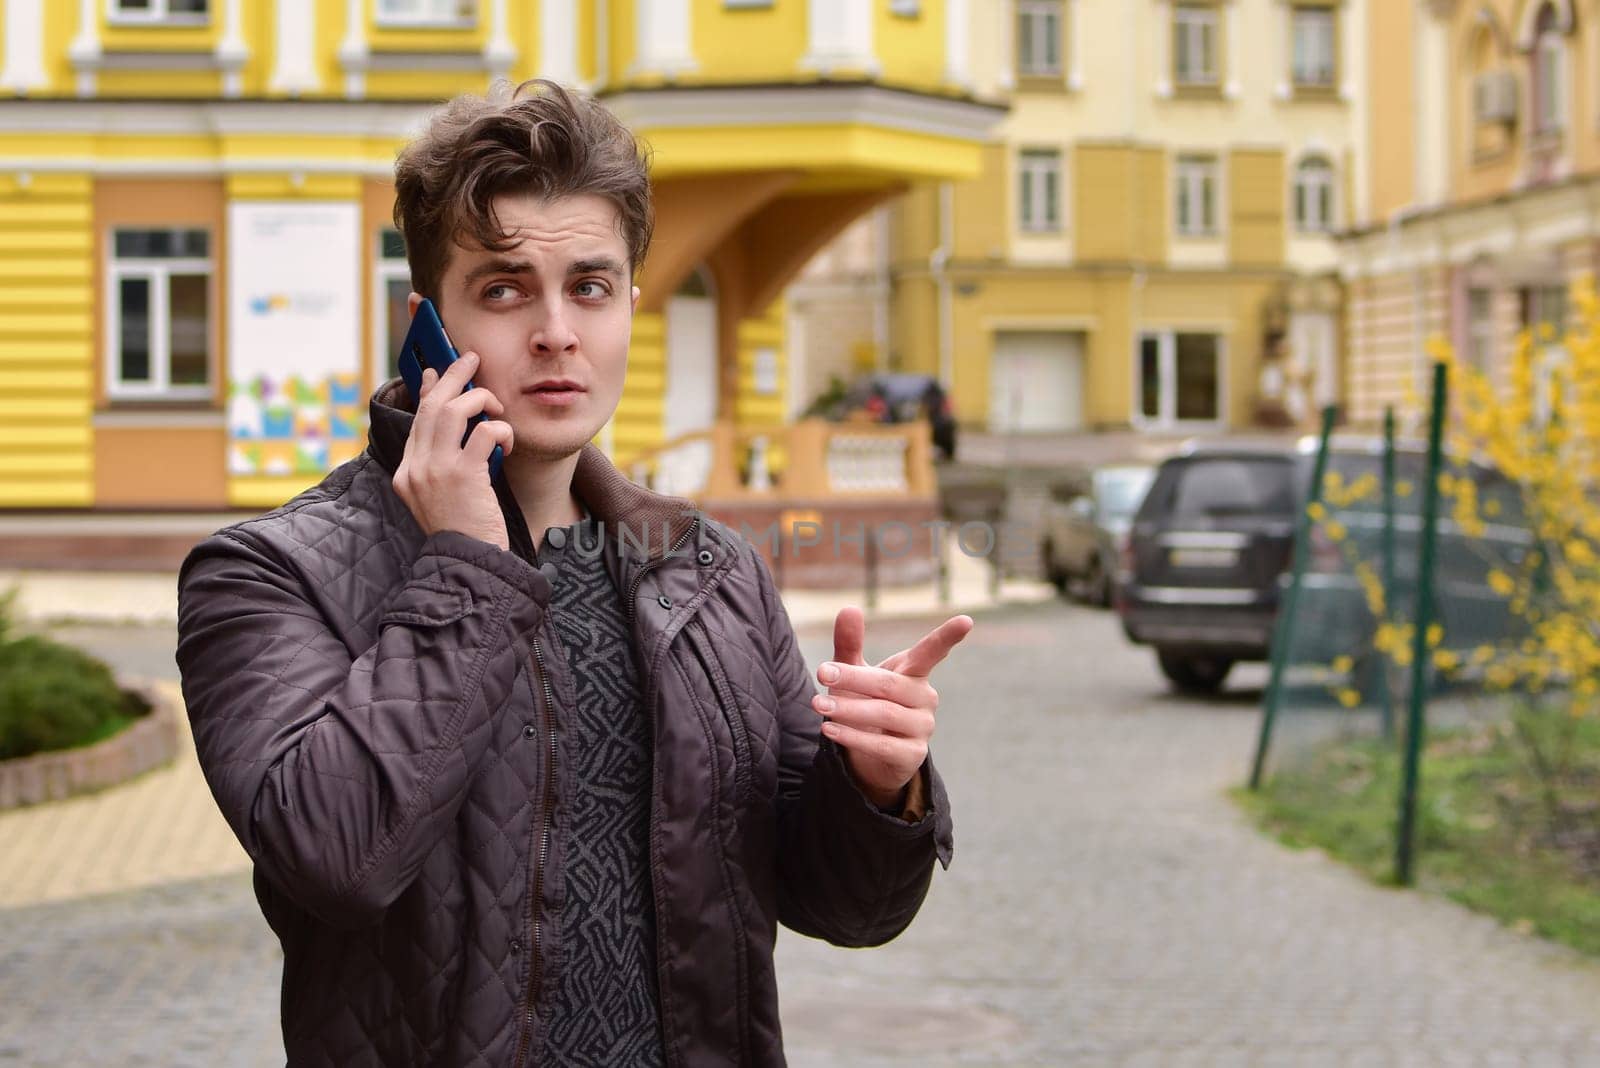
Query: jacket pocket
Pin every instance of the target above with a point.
(426, 603)
(727, 705)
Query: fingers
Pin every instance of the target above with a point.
(899, 757)
(849, 636)
(874, 716)
(931, 649)
(485, 436)
(454, 380)
(866, 681)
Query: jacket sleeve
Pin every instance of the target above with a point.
(339, 772)
(847, 872)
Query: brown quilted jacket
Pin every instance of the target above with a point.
(374, 716)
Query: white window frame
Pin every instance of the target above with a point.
(1550, 117)
(1046, 18)
(158, 14)
(1202, 24)
(1304, 193)
(1166, 416)
(1038, 169)
(385, 269)
(1190, 175)
(385, 14)
(158, 271)
(1328, 16)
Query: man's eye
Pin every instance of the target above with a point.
(590, 289)
(498, 292)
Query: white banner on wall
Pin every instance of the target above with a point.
(294, 336)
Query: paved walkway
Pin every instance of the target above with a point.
(1107, 906)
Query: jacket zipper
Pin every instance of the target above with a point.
(651, 565)
(536, 962)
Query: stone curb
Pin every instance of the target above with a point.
(147, 744)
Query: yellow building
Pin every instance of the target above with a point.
(1485, 181)
(198, 281)
(1149, 244)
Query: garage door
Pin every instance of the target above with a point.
(1036, 381)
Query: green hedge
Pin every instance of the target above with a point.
(53, 696)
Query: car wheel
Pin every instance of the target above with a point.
(1192, 672)
(1052, 571)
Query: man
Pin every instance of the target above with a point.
(519, 790)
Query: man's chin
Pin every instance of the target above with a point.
(550, 444)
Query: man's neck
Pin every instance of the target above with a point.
(543, 489)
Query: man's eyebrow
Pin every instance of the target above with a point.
(499, 266)
(598, 265)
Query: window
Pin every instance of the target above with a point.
(427, 12)
(159, 305)
(1549, 74)
(1197, 196)
(1194, 45)
(1313, 196)
(392, 316)
(1039, 189)
(1039, 37)
(179, 11)
(1480, 328)
(1179, 378)
(1315, 52)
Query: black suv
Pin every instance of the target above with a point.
(1211, 547)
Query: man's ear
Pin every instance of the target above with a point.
(413, 302)
(633, 307)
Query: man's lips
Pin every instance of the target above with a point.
(555, 393)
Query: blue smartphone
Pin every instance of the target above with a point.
(427, 345)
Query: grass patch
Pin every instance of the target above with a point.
(1508, 818)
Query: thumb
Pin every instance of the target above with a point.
(849, 636)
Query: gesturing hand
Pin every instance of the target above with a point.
(882, 717)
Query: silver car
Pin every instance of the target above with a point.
(1086, 529)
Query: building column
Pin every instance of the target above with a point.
(839, 37)
(498, 52)
(353, 49)
(232, 52)
(294, 61)
(24, 55)
(558, 41)
(663, 45)
(957, 50)
(85, 48)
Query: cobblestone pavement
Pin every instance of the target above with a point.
(1107, 906)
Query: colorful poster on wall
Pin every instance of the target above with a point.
(295, 404)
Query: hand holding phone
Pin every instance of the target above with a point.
(444, 475)
(427, 345)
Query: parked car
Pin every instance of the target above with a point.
(1086, 526)
(1211, 546)
(898, 398)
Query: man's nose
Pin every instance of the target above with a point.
(554, 334)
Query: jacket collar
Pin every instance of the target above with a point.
(610, 496)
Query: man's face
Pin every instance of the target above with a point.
(549, 318)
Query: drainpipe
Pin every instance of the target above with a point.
(938, 260)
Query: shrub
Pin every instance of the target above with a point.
(55, 697)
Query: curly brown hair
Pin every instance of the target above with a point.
(540, 139)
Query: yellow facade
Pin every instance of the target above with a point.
(1484, 165)
(771, 127)
(1142, 237)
